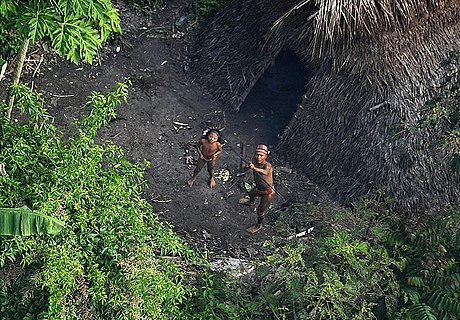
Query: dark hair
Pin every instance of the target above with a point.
(207, 132)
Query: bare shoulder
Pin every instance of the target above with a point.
(268, 166)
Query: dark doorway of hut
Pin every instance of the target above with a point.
(274, 99)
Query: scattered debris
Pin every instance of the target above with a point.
(232, 266)
(177, 123)
(301, 234)
(190, 160)
(206, 235)
(162, 201)
(61, 95)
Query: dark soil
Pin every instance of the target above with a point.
(154, 54)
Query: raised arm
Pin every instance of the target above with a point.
(265, 170)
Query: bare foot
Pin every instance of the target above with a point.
(191, 182)
(246, 201)
(212, 183)
(254, 229)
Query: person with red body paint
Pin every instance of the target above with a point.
(263, 178)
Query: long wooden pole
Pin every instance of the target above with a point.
(17, 72)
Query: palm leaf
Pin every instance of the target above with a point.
(25, 222)
(37, 20)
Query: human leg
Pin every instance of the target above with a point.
(252, 198)
(199, 166)
(265, 202)
(211, 165)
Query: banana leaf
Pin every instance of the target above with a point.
(25, 222)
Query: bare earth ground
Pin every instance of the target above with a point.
(164, 93)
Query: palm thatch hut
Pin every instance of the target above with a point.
(375, 65)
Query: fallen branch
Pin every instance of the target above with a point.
(38, 66)
(301, 234)
(180, 124)
(378, 106)
(61, 95)
(161, 201)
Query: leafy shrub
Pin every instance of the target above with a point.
(216, 297)
(336, 277)
(427, 253)
(107, 263)
(75, 28)
(341, 270)
(9, 42)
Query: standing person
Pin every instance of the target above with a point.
(209, 147)
(263, 178)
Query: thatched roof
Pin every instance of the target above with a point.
(375, 62)
(231, 48)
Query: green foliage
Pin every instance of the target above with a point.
(204, 7)
(25, 222)
(76, 28)
(9, 41)
(340, 270)
(441, 115)
(297, 217)
(218, 298)
(364, 263)
(103, 110)
(107, 262)
(427, 255)
(336, 277)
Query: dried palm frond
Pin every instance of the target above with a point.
(341, 24)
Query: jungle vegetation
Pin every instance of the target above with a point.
(108, 255)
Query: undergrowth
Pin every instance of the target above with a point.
(108, 262)
(359, 263)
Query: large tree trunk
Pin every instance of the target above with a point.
(17, 71)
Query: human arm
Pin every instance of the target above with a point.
(242, 171)
(218, 151)
(265, 170)
(198, 148)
